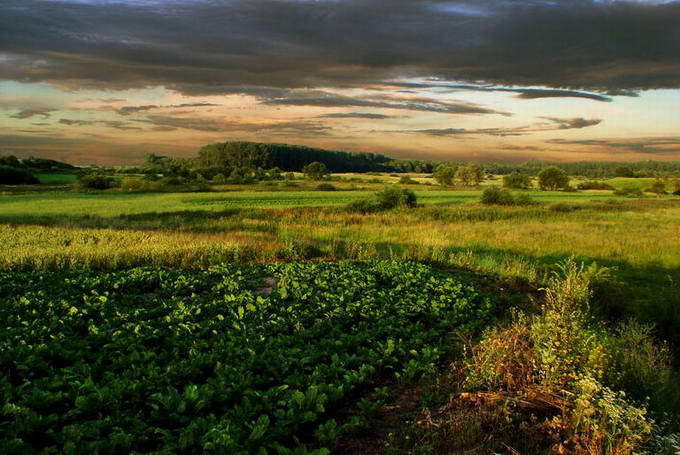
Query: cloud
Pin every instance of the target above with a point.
(206, 46)
(573, 123)
(524, 93)
(365, 115)
(300, 128)
(325, 99)
(28, 113)
(128, 110)
(116, 124)
(645, 145)
(553, 125)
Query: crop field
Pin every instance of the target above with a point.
(229, 359)
(253, 319)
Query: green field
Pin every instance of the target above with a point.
(294, 296)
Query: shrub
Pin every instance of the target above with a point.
(174, 181)
(219, 179)
(16, 176)
(561, 207)
(325, 187)
(629, 191)
(407, 180)
(517, 181)
(594, 185)
(658, 187)
(364, 205)
(676, 187)
(553, 178)
(495, 195)
(394, 196)
(524, 199)
(96, 181)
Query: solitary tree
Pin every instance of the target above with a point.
(553, 178)
(315, 170)
(444, 175)
(472, 174)
(517, 181)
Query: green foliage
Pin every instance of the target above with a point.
(623, 171)
(407, 180)
(166, 361)
(286, 157)
(394, 196)
(472, 174)
(629, 191)
(16, 176)
(96, 181)
(495, 195)
(594, 185)
(556, 364)
(553, 178)
(325, 187)
(657, 187)
(444, 175)
(517, 180)
(315, 170)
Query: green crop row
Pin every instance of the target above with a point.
(226, 360)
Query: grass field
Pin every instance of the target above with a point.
(99, 233)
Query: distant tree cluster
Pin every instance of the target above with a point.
(467, 175)
(592, 169)
(517, 180)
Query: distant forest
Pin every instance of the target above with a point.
(241, 159)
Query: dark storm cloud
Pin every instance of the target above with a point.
(207, 46)
(553, 125)
(323, 99)
(645, 145)
(366, 115)
(28, 113)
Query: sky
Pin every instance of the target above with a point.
(107, 81)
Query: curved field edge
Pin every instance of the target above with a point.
(228, 359)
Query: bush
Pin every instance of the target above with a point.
(594, 185)
(553, 178)
(96, 181)
(407, 180)
(16, 176)
(629, 191)
(325, 187)
(676, 187)
(394, 196)
(389, 197)
(495, 195)
(524, 199)
(561, 207)
(364, 205)
(517, 181)
(658, 187)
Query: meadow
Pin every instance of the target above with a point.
(100, 238)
